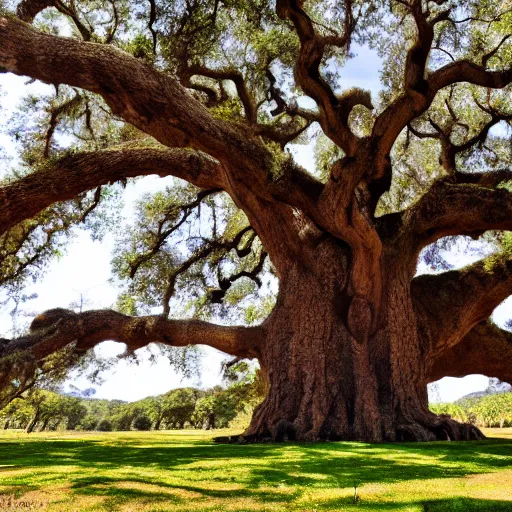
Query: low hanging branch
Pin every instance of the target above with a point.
(57, 328)
(61, 331)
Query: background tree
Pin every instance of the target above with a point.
(215, 410)
(179, 406)
(212, 93)
(142, 422)
(154, 408)
(73, 412)
(486, 411)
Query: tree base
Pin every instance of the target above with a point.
(444, 429)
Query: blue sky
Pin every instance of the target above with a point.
(84, 270)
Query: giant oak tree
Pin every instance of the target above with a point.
(215, 93)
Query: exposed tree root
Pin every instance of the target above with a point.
(444, 429)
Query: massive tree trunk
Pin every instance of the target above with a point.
(334, 373)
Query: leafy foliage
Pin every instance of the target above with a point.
(214, 408)
(488, 411)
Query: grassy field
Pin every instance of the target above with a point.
(185, 471)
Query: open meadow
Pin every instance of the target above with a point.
(186, 471)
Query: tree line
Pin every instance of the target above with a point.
(217, 407)
(485, 411)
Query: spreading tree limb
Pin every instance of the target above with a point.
(157, 104)
(450, 304)
(466, 207)
(486, 349)
(151, 100)
(75, 173)
(57, 328)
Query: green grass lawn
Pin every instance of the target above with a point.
(186, 471)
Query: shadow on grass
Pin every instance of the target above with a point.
(106, 486)
(458, 504)
(299, 466)
(467, 505)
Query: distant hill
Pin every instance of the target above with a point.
(495, 387)
(79, 393)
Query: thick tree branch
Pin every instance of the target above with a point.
(461, 204)
(450, 304)
(486, 349)
(153, 101)
(334, 111)
(57, 328)
(420, 91)
(467, 71)
(77, 173)
(157, 104)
